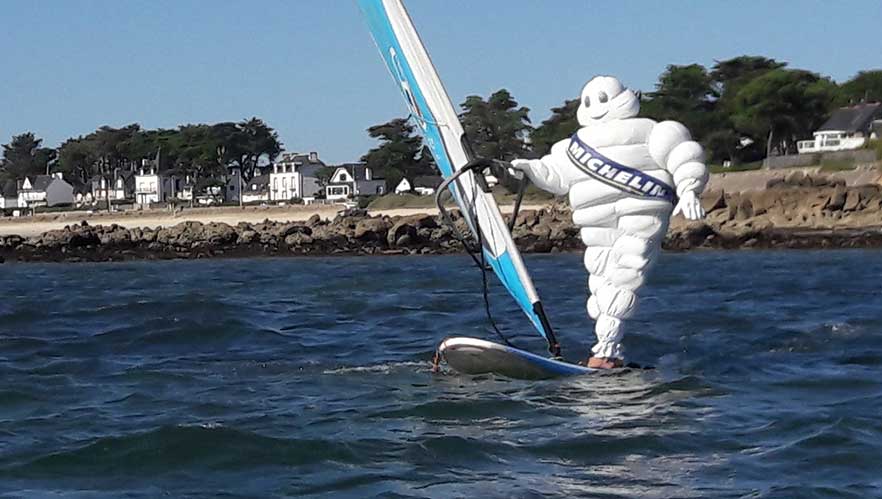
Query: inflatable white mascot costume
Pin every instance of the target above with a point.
(623, 175)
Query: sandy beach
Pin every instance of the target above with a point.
(36, 225)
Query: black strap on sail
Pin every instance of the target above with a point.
(477, 253)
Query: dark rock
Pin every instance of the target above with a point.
(852, 200)
(836, 200)
(796, 179)
(247, 237)
(712, 201)
(744, 209)
(284, 230)
(372, 229)
(219, 234)
(527, 218)
(298, 239)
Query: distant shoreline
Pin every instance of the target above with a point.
(771, 210)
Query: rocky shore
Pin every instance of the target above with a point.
(794, 212)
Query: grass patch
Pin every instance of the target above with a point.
(837, 165)
(877, 146)
(395, 201)
(53, 209)
(743, 167)
(532, 195)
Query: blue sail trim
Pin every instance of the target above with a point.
(390, 49)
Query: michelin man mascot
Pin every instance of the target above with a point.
(624, 176)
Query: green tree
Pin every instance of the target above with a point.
(24, 156)
(76, 159)
(250, 142)
(783, 106)
(323, 175)
(728, 77)
(399, 154)
(685, 94)
(866, 86)
(562, 124)
(496, 128)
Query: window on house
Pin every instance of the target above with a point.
(275, 184)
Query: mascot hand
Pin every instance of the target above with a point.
(518, 167)
(689, 206)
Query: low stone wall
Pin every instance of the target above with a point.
(757, 180)
(859, 156)
(792, 161)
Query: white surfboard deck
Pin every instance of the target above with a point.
(476, 356)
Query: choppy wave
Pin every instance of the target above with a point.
(311, 377)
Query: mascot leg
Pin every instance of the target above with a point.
(622, 242)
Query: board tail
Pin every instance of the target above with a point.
(413, 72)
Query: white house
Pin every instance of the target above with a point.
(116, 186)
(847, 128)
(284, 182)
(44, 190)
(152, 187)
(425, 185)
(351, 180)
(306, 167)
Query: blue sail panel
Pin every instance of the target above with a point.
(413, 72)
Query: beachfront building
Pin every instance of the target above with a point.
(9, 196)
(424, 185)
(83, 195)
(185, 188)
(351, 180)
(234, 184)
(256, 190)
(44, 190)
(116, 186)
(284, 182)
(302, 170)
(153, 187)
(848, 128)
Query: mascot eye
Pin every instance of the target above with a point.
(587, 101)
(603, 97)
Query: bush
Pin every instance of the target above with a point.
(364, 201)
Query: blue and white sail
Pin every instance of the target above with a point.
(430, 106)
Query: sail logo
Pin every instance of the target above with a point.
(616, 175)
(405, 88)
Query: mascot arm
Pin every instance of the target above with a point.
(671, 147)
(546, 173)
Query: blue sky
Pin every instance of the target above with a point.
(310, 69)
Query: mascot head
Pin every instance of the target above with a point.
(604, 98)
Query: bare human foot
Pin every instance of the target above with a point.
(604, 363)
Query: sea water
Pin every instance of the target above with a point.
(311, 377)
